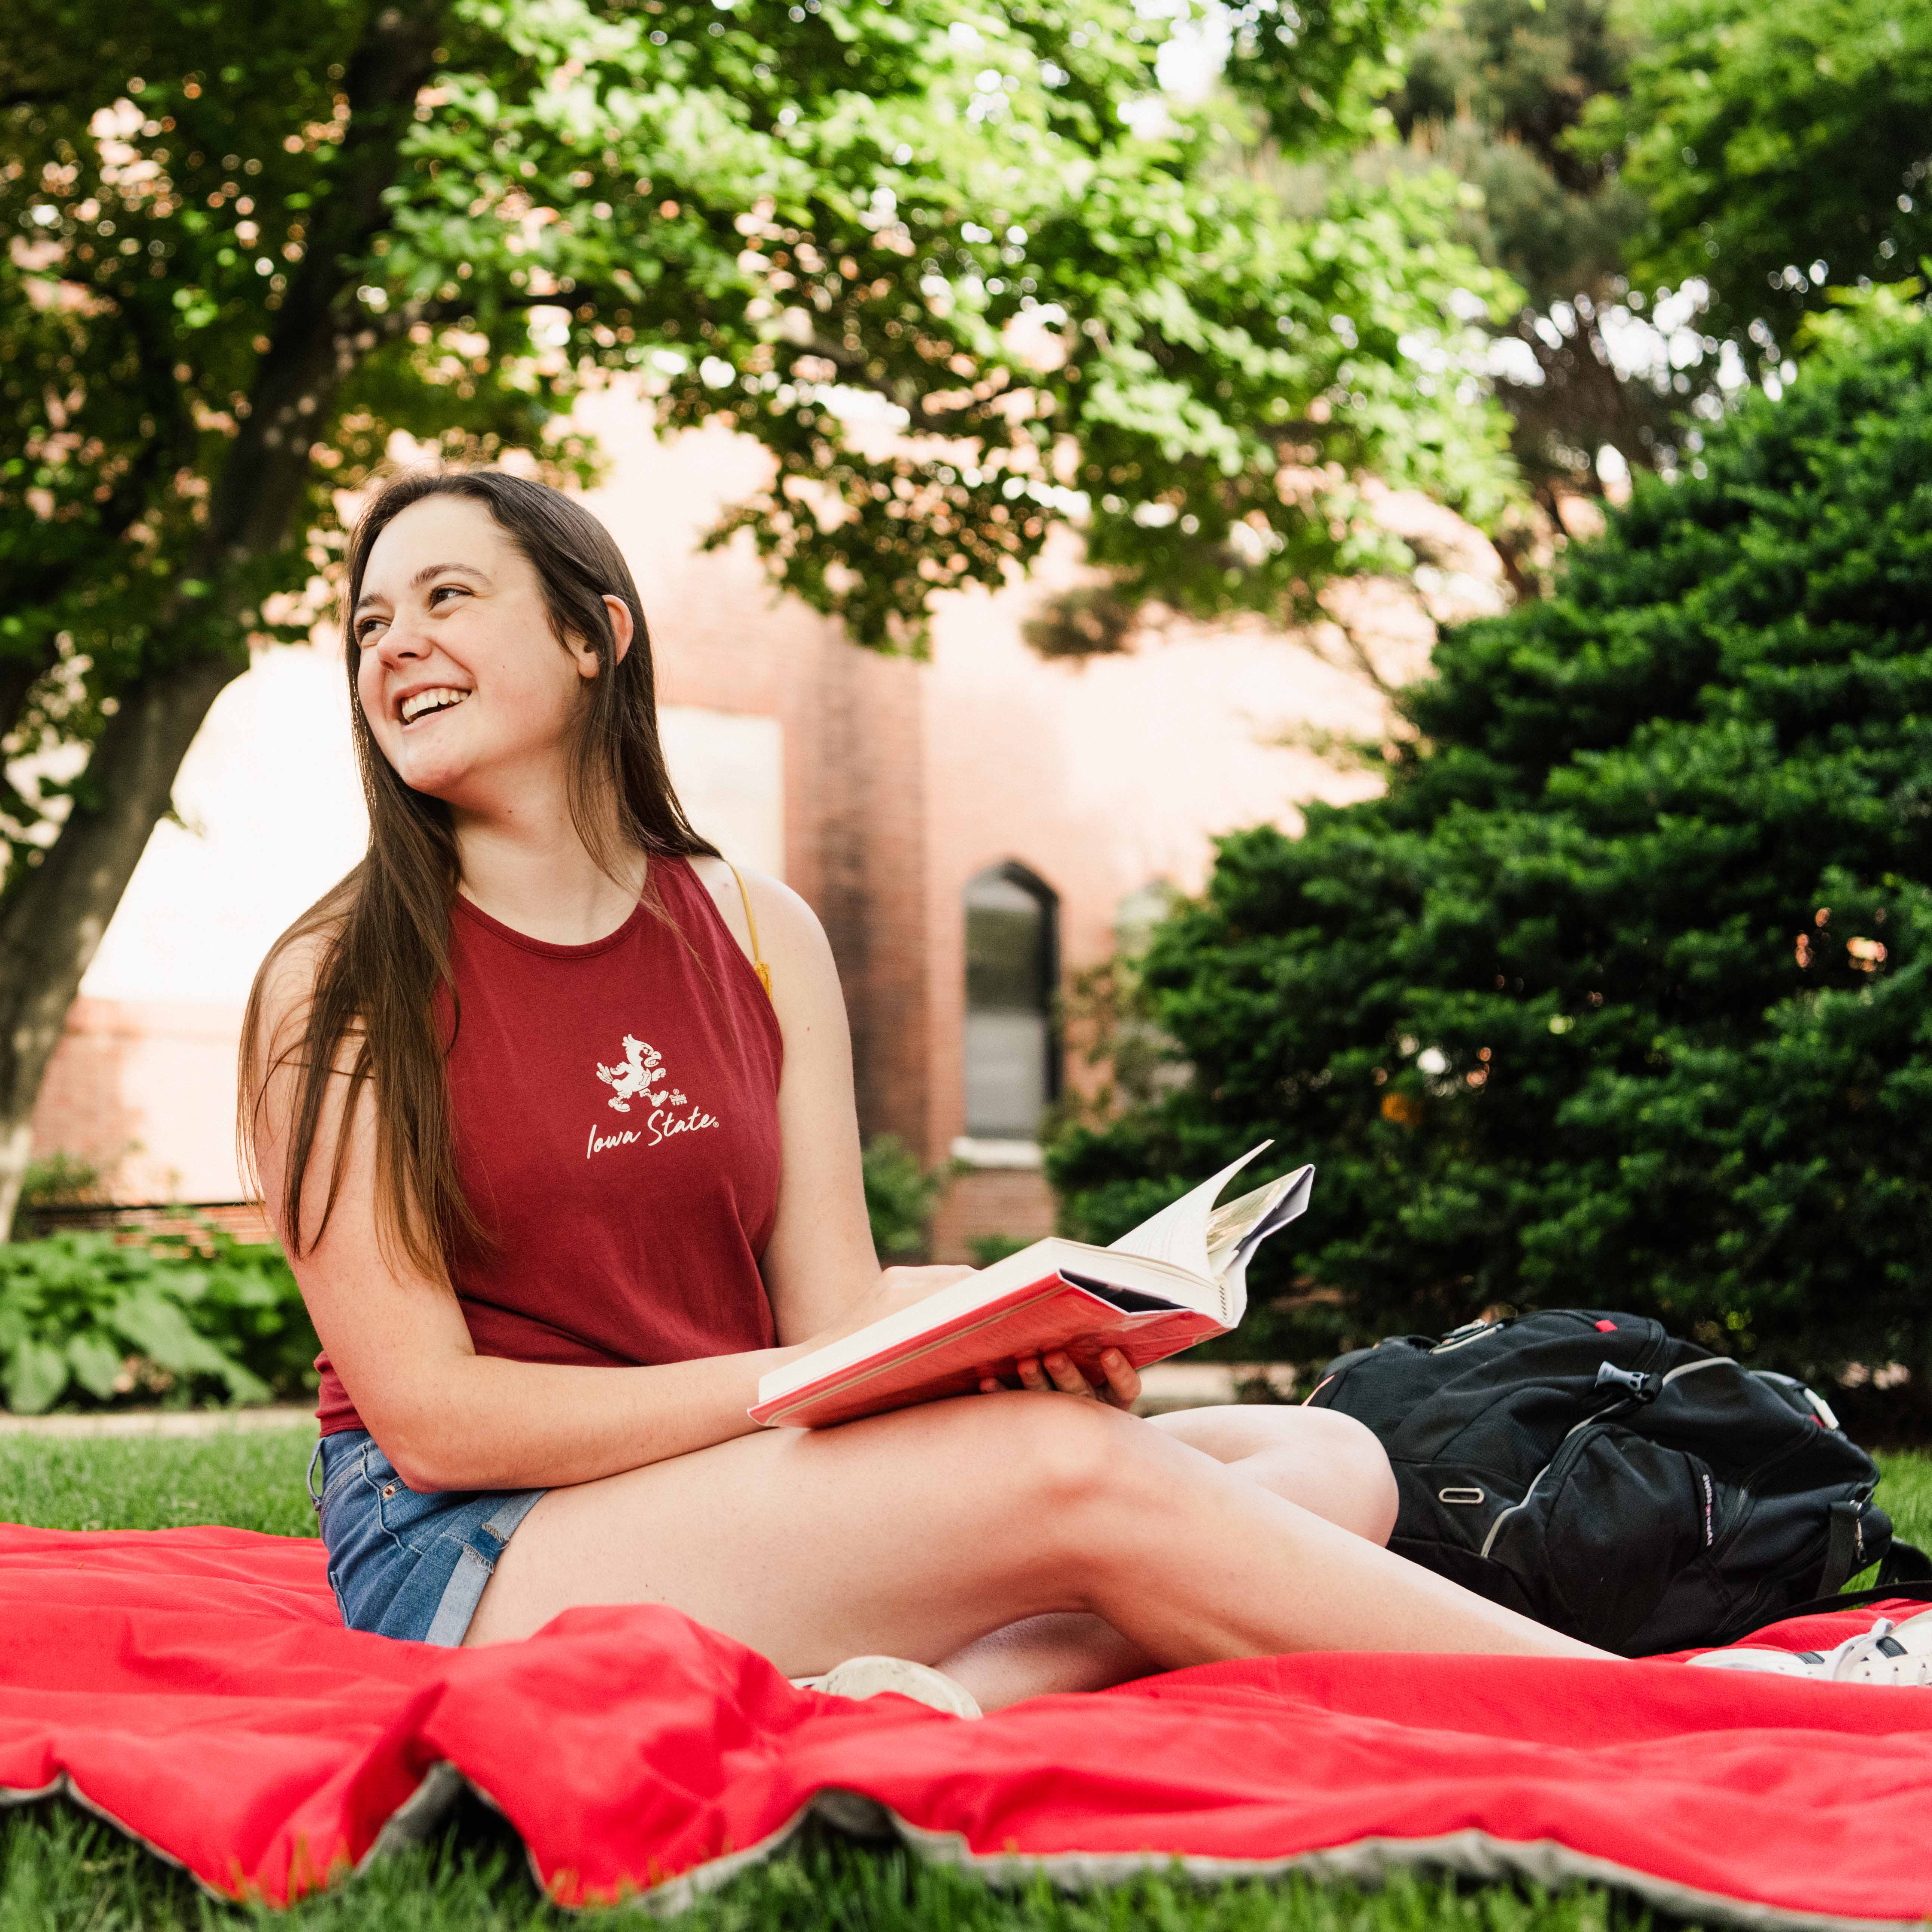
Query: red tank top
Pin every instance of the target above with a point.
(615, 1112)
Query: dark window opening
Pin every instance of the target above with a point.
(1012, 972)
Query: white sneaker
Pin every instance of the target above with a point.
(1888, 1653)
(868, 1676)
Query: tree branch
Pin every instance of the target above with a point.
(310, 353)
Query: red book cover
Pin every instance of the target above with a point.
(1052, 1313)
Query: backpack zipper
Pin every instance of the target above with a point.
(1609, 1414)
(1602, 1416)
(1588, 1421)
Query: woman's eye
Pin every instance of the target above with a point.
(365, 629)
(439, 591)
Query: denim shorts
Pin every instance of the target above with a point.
(402, 1563)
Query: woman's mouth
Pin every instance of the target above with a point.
(426, 704)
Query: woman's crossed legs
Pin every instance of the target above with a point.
(1214, 1533)
(1319, 1458)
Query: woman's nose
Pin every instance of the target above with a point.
(401, 643)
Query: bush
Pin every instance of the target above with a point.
(60, 1178)
(1618, 995)
(189, 1316)
(900, 1197)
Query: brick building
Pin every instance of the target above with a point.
(971, 828)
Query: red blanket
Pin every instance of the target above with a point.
(195, 1687)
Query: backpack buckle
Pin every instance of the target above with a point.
(1643, 1387)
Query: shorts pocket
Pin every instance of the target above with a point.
(406, 1514)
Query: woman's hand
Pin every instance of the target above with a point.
(895, 1289)
(1057, 1371)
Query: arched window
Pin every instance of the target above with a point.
(1013, 971)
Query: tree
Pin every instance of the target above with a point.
(959, 270)
(1495, 90)
(1618, 996)
(1780, 151)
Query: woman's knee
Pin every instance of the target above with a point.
(1072, 1457)
(1365, 1481)
(1318, 1458)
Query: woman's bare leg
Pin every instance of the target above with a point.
(1326, 1462)
(916, 1532)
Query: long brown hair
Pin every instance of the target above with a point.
(383, 932)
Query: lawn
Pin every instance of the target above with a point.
(60, 1868)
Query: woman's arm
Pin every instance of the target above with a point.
(820, 1267)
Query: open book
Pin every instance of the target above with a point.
(1175, 1280)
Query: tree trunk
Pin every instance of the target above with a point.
(18, 677)
(54, 921)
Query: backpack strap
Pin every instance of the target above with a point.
(758, 965)
(1845, 1547)
(1906, 1562)
(1907, 1571)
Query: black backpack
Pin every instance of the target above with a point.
(1594, 1472)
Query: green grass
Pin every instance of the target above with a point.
(249, 1481)
(1906, 1491)
(60, 1868)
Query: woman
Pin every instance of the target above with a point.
(561, 1181)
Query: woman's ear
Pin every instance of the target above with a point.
(622, 629)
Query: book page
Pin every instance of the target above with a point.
(1179, 1232)
(1238, 1229)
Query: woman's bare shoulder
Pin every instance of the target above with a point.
(788, 929)
(289, 973)
(284, 991)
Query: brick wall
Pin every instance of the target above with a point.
(145, 1091)
(854, 766)
(82, 1110)
(901, 779)
(1013, 1202)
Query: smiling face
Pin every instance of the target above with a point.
(466, 687)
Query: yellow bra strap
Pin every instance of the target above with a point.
(758, 965)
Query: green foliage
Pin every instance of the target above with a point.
(1494, 87)
(188, 1316)
(1766, 138)
(250, 243)
(900, 1196)
(59, 1178)
(1089, 620)
(985, 1249)
(1495, 90)
(1618, 996)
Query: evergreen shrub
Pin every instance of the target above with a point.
(900, 1197)
(1618, 995)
